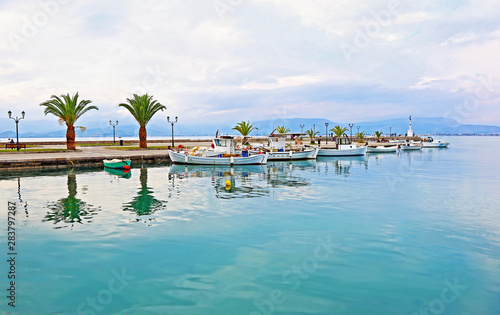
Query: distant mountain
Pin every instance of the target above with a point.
(8, 134)
(436, 125)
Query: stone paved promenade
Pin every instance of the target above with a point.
(84, 156)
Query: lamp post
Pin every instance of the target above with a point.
(390, 131)
(301, 128)
(172, 123)
(114, 125)
(358, 128)
(326, 134)
(350, 127)
(17, 119)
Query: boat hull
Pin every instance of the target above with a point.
(181, 158)
(411, 148)
(345, 152)
(436, 145)
(121, 164)
(382, 150)
(286, 156)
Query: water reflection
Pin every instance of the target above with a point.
(286, 173)
(340, 165)
(144, 203)
(23, 203)
(70, 209)
(245, 180)
(119, 173)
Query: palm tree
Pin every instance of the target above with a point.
(338, 131)
(68, 109)
(244, 128)
(378, 134)
(312, 134)
(361, 136)
(143, 108)
(282, 129)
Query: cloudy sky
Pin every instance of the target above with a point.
(233, 60)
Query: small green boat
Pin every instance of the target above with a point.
(117, 163)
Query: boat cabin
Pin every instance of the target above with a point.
(344, 143)
(224, 145)
(278, 141)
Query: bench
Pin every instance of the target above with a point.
(14, 145)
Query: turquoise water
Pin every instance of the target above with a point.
(414, 233)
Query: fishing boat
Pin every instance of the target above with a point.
(382, 149)
(293, 155)
(223, 152)
(435, 143)
(411, 146)
(117, 163)
(277, 148)
(344, 147)
(184, 158)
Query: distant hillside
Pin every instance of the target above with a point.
(436, 125)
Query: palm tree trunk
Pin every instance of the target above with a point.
(142, 137)
(70, 138)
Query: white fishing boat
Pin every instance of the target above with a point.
(344, 148)
(411, 146)
(293, 155)
(382, 149)
(277, 148)
(435, 143)
(184, 158)
(223, 153)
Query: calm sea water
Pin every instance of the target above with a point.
(409, 233)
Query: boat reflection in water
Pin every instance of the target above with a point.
(70, 209)
(341, 165)
(285, 174)
(244, 179)
(119, 172)
(144, 203)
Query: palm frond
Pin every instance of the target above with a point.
(142, 108)
(67, 108)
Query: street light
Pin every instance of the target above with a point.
(350, 127)
(17, 119)
(326, 134)
(390, 131)
(172, 123)
(114, 125)
(358, 128)
(302, 128)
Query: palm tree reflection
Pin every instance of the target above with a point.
(144, 203)
(71, 209)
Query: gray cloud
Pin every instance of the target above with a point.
(262, 58)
